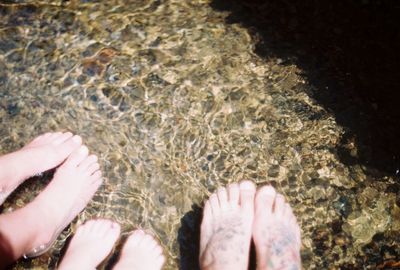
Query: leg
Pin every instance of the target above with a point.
(140, 252)
(276, 232)
(32, 229)
(43, 153)
(226, 228)
(90, 245)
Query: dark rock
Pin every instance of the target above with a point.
(92, 68)
(82, 79)
(273, 171)
(343, 206)
(13, 109)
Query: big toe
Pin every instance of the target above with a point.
(247, 193)
(63, 137)
(265, 199)
(279, 206)
(141, 251)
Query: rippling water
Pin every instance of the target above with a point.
(175, 103)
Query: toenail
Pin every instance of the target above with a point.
(76, 139)
(247, 185)
(83, 150)
(269, 190)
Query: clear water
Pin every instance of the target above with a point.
(175, 103)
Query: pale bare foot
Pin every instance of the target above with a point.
(226, 228)
(140, 252)
(90, 245)
(73, 186)
(43, 153)
(276, 233)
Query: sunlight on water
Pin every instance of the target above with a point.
(175, 103)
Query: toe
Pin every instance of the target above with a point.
(77, 157)
(47, 135)
(91, 226)
(279, 206)
(81, 230)
(77, 139)
(62, 138)
(222, 198)
(113, 232)
(108, 227)
(115, 227)
(207, 213)
(158, 249)
(44, 138)
(88, 195)
(214, 203)
(54, 136)
(265, 199)
(233, 193)
(38, 138)
(148, 242)
(87, 162)
(160, 262)
(100, 226)
(96, 176)
(69, 144)
(206, 225)
(298, 234)
(93, 168)
(247, 192)
(288, 213)
(133, 240)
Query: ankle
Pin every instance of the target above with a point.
(43, 222)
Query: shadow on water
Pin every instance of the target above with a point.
(349, 52)
(189, 239)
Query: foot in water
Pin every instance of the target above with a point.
(90, 245)
(72, 187)
(276, 232)
(140, 252)
(43, 153)
(227, 227)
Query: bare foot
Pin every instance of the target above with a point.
(90, 245)
(140, 252)
(226, 228)
(276, 233)
(73, 186)
(43, 153)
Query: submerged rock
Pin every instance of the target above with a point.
(370, 221)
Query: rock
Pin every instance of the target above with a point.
(342, 206)
(370, 222)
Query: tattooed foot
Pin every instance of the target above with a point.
(276, 233)
(226, 228)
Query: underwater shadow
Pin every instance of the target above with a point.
(349, 52)
(189, 239)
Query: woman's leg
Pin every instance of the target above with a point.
(32, 229)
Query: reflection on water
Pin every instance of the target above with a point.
(175, 103)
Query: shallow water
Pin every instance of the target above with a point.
(175, 104)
